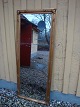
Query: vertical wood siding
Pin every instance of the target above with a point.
(70, 33)
(1, 58)
(5, 71)
(60, 45)
(66, 65)
(72, 63)
(76, 54)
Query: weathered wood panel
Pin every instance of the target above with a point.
(2, 23)
(8, 41)
(23, 4)
(53, 4)
(77, 32)
(60, 45)
(37, 4)
(75, 62)
(2, 72)
(12, 41)
(78, 88)
(16, 6)
(70, 33)
(45, 4)
(30, 4)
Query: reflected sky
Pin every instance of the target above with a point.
(35, 20)
(30, 17)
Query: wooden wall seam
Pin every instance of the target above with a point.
(77, 46)
(65, 43)
(36, 4)
(30, 4)
(60, 45)
(4, 40)
(2, 72)
(74, 64)
(6, 17)
(23, 4)
(12, 39)
(71, 18)
(78, 85)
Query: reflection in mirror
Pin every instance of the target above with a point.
(34, 54)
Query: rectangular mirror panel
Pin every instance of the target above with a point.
(34, 50)
(34, 54)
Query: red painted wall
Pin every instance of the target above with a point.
(25, 45)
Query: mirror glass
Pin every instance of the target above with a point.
(34, 54)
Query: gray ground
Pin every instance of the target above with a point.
(9, 98)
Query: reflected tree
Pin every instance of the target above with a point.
(47, 19)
